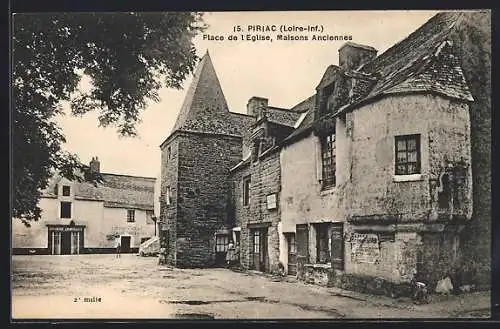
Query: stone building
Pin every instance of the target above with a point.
(256, 184)
(80, 217)
(206, 141)
(382, 176)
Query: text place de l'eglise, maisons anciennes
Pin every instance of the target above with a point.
(380, 177)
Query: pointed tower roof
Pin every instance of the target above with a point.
(205, 108)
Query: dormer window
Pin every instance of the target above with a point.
(66, 190)
(326, 101)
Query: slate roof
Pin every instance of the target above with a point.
(281, 116)
(121, 191)
(328, 76)
(205, 108)
(305, 125)
(307, 106)
(424, 61)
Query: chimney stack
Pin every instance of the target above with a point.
(254, 104)
(95, 165)
(353, 55)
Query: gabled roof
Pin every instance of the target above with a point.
(122, 191)
(328, 76)
(281, 116)
(424, 61)
(305, 121)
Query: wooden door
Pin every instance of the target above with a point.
(264, 265)
(255, 249)
(125, 244)
(221, 246)
(292, 254)
(302, 236)
(337, 246)
(66, 243)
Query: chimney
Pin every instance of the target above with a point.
(254, 103)
(353, 55)
(95, 165)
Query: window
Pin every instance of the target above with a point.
(149, 217)
(65, 209)
(169, 153)
(221, 243)
(130, 215)
(167, 196)
(256, 241)
(246, 190)
(328, 160)
(407, 155)
(326, 104)
(322, 249)
(66, 191)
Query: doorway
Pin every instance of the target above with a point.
(292, 254)
(125, 244)
(66, 243)
(221, 247)
(64, 240)
(259, 259)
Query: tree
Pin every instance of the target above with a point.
(128, 58)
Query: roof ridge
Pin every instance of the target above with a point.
(134, 176)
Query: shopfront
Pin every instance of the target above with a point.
(65, 239)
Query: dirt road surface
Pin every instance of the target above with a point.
(133, 287)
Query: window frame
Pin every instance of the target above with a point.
(69, 209)
(130, 219)
(256, 236)
(66, 188)
(247, 181)
(168, 196)
(221, 240)
(407, 151)
(328, 160)
(169, 153)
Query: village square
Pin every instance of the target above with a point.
(370, 198)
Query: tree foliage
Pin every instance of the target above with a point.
(128, 58)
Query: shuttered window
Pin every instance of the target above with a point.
(322, 248)
(337, 247)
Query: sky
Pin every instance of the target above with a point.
(285, 72)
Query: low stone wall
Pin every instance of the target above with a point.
(370, 285)
(319, 274)
(324, 275)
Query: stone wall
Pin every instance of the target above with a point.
(472, 40)
(265, 180)
(202, 196)
(444, 128)
(168, 210)
(241, 212)
(386, 203)
(318, 274)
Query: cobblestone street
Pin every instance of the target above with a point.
(102, 286)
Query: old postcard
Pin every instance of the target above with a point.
(251, 165)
